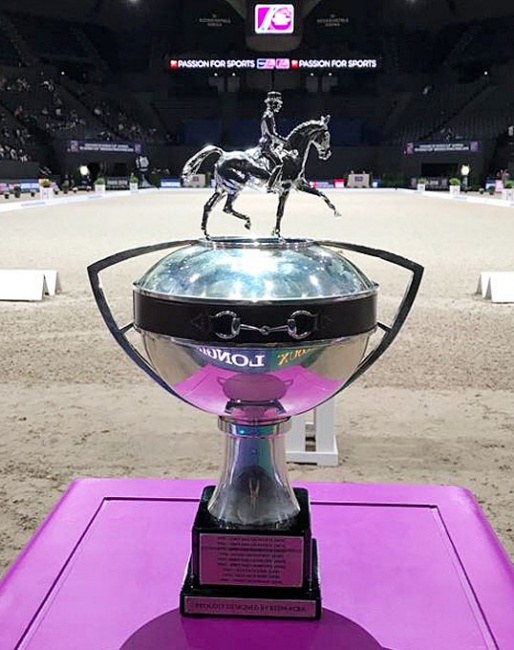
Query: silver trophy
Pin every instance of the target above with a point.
(254, 331)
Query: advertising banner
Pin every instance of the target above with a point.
(171, 183)
(272, 63)
(461, 146)
(90, 146)
(117, 183)
(26, 184)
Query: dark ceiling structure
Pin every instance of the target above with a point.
(124, 14)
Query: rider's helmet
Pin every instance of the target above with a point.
(274, 100)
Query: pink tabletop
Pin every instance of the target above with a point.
(402, 568)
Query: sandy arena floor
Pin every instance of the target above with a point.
(437, 408)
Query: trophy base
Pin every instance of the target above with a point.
(245, 572)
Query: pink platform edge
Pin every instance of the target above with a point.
(402, 568)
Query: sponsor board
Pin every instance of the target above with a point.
(117, 183)
(26, 185)
(463, 146)
(270, 63)
(322, 185)
(170, 183)
(87, 146)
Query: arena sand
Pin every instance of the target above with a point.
(437, 408)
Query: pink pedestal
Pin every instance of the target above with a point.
(402, 568)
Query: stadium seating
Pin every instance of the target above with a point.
(68, 79)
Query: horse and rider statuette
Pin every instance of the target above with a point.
(277, 163)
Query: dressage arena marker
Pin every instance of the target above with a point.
(28, 284)
(497, 286)
(319, 433)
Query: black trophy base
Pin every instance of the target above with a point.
(223, 556)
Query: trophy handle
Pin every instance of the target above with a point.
(119, 332)
(391, 331)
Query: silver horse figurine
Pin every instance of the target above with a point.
(236, 169)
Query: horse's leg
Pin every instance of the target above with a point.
(257, 171)
(230, 210)
(303, 186)
(208, 207)
(280, 211)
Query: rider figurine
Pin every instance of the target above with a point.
(271, 143)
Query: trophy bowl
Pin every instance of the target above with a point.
(254, 331)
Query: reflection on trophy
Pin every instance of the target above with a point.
(254, 331)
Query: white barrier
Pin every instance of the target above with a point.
(483, 283)
(497, 286)
(28, 284)
(52, 281)
(314, 442)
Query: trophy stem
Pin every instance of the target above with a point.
(253, 489)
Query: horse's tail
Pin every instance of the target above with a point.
(193, 164)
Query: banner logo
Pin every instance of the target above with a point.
(274, 19)
(265, 64)
(282, 64)
(273, 64)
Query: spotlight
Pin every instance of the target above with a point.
(84, 170)
(464, 171)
